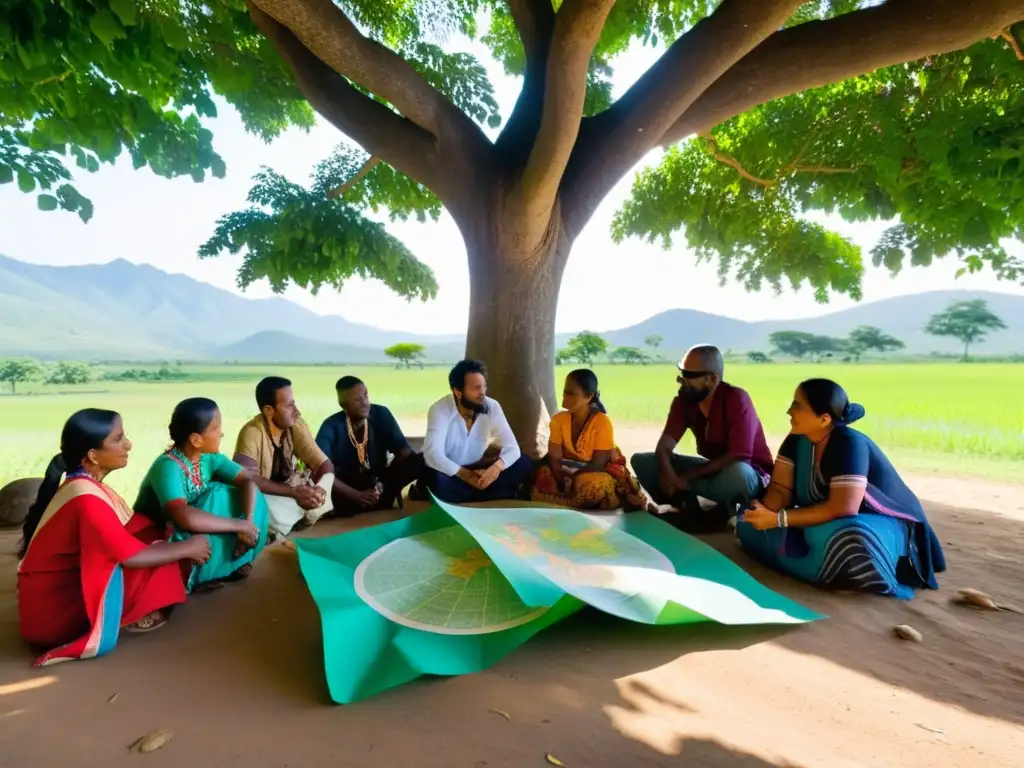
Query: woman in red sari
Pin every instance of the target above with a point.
(89, 566)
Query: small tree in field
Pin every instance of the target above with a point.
(969, 321)
(584, 347)
(70, 373)
(793, 343)
(654, 341)
(758, 357)
(629, 356)
(406, 354)
(866, 338)
(826, 346)
(19, 370)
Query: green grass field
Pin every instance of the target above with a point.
(948, 418)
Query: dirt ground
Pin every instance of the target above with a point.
(237, 675)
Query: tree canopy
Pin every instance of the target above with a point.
(797, 106)
(583, 348)
(934, 146)
(90, 80)
(19, 370)
(867, 338)
(969, 321)
(406, 353)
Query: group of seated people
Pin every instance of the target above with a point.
(829, 510)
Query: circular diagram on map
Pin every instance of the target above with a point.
(443, 582)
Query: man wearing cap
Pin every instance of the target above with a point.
(734, 465)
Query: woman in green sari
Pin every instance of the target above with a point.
(193, 488)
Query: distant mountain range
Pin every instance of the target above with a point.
(126, 312)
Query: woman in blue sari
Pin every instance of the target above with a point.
(836, 513)
(193, 488)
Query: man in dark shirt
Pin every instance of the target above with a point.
(735, 463)
(373, 462)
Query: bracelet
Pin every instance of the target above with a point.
(782, 519)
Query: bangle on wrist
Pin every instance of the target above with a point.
(782, 518)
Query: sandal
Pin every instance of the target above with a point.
(147, 623)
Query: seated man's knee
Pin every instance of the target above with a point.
(643, 463)
(742, 481)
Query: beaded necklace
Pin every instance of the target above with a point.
(193, 469)
(359, 445)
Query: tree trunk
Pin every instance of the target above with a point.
(513, 297)
(967, 349)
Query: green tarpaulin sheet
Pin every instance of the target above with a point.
(454, 589)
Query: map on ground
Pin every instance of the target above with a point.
(441, 581)
(453, 590)
(582, 555)
(448, 581)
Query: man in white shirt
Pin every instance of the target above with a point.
(470, 451)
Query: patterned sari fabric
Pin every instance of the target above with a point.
(888, 548)
(74, 595)
(171, 479)
(612, 488)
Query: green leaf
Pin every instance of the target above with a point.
(92, 164)
(6, 174)
(46, 203)
(125, 10)
(106, 28)
(26, 183)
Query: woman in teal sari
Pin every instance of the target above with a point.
(193, 488)
(837, 514)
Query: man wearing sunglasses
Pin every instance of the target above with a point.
(735, 463)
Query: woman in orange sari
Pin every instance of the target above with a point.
(584, 469)
(89, 566)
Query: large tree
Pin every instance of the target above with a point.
(935, 143)
(969, 321)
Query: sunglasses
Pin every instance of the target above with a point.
(693, 374)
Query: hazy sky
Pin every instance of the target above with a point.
(147, 219)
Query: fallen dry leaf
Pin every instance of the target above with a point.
(977, 598)
(553, 760)
(907, 632)
(113, 698)
(502, 712)
(151, 742)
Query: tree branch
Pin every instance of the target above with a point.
(356, 178)
(578, 25)
(327, 32)
(1009, 37)
(732, 162)
(822, 52)
(535, 20)
(380, 131)
(614, 141)
(793, 167)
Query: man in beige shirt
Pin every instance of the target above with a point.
(268, 447)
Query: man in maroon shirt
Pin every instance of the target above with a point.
(735, 463)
